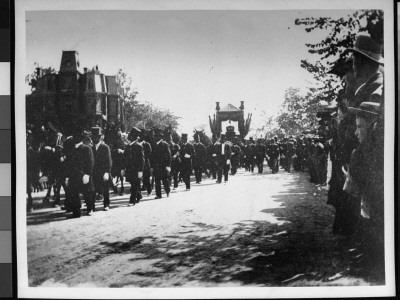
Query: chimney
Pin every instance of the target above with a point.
(38, 72)
(241, 105)
(217, 108)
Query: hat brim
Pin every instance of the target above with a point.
(362, 113)
(378, 60)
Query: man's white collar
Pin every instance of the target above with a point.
(77, 145)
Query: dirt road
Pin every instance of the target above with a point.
(256, 230)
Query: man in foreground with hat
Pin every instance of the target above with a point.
(133, 165)
(161, 164)
(364, 180)
(187, 153)
(367, 56)
(79, 178)
(102, 166)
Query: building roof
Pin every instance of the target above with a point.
(230, 107)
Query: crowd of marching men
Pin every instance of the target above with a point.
(90, 163)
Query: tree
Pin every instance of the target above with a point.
(142, 114)
(297, 114)
(31, 79)
(341, 35)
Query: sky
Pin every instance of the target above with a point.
(185, 61)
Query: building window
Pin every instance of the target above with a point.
(90, 84)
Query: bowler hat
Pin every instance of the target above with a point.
(366, 110)
(184, 135)
(96, 131)
(369, 48)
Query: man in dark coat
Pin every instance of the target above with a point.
(134, 165)
(146, 186)
(260, 155)
(367, 56)
(175, 163)
(200, 158)
(117, 148)
(223, 151)
(102, 166)
(273, 154)
(282, 150)
(161, 162)
(79, 177)
(235, 156)
(251, 154)
(187, 153)
(290, 152)
(212, 159)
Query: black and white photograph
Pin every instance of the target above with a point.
(197, 149)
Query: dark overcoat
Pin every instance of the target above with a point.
(133, 161)
(80, 162)
(102, 163)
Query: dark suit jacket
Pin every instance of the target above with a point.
(80, 162)
(175, 149)
(236, 152)
(260, 151)
(201, 153)
(147, 154)
(161, 156)
(133, 161)
(227, 153)
(102, 163)
(189, 149)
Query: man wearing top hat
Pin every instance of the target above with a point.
(260, 152)
(102, 166)
(199, 161)
(146, 186)
(235, 156)
(161, 164)
(224, 152)
(212, 159)
(187, 153)
(273, 154)
(175, 163)
(79, 177)
(133, 165)
(367, 57)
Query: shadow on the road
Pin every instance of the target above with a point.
(300, 251)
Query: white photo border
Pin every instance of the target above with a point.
(24, 291)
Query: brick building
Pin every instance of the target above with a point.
(71, 96)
